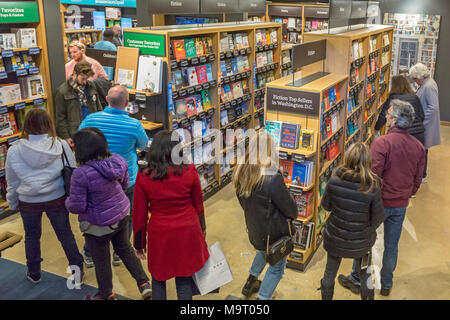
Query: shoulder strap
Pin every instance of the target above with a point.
(63, 154)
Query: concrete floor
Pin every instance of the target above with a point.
(423, 270)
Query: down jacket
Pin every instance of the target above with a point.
(97, 191)
(417, 129)
(350, 231)
(268, 207)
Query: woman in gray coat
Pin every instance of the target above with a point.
(429, 97)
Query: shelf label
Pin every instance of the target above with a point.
(169, 97)
(20, 105)
(282, 155)
(12, 140)
(3, 75)
(21, 72)
(194, 61)
(3, 109)
(38, 102)
(202, 59)
(7, 53)
(33, 51)
(298, 157)
(34, 70)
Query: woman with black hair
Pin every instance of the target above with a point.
(97, 195)
(176, 229)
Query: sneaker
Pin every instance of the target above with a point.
(112, 296)
(34, 277)
(116, 260)
(146, 290)
(413, 196)
(347, 283)
(424, 180)
(251, 286)
(88, 260)
(385, 291)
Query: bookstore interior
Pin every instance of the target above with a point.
(316, 76)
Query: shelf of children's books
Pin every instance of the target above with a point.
(335, 135)
(352, 136)
(353, 112)
(31, 50)
(308, 188)
(306, 153)
(82, 30)
(193, 61)
(234, 77)
(304, 220)
(266, 47)
(185, 91)
(12, 136)
(328, 164)
(235, 53)
(182, 123)
(147, 93)
(21, 104)
(149, 126)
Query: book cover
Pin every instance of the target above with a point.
(258, 37)
(180, 109)
(223, 68)
(206, 126)
(224, 42)
(208, 45)
(245, 40)
(178, 49)
(286, 167)
(299, 174)
(185, 76)
(198, 103)
(190, 106)
(290, 135)
(234, 66)
(240, 64)
(189, 45)
(237, 90)
(231, 113)
(230, 41)
(334, 122)
(246, 63)
(192, 73)
(177, 79)
(206, 99)
(199, 47)
(228, 94)
(245, 87)
(238, 40)
(197, 127)
(202, 75)
(273, 35)
(244, 107)
(209, 75)
(274, 129)
(223, 118)
(298, 234)
(328, 127)
(270, 57)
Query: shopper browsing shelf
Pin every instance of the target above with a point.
(401, 89)
(123, 134)
(117, 40)
(428, 94)
(353, 195)
(176, 230)
(77, 52)
(267, 206)
(97, 195)
(398, 159)
(74, 100)
(107, 42)
(35, 185)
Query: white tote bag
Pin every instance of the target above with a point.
(215, 273)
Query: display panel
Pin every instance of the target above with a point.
(340, 13)
(173, 7)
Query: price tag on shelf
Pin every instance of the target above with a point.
(3, 109)
(173, 65)
(194, 61)
(184, 63)
(211, 112)
(283, 155)
(299, 158)
(20, 105)
(202, 59)
(38, 102)
(190, 90)
(249, 50)
(12, 140)
(21, 72)
(242, 52)
(7, 53)
(34, 70)
(139, 96)
(3, 75)
(33, 51)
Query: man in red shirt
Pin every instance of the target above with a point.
(398, 159)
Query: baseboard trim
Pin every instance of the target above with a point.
(445, 123)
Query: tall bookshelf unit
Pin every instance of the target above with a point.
(215, 176)
(19, 107)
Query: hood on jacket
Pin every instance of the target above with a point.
(39, 151)
(112, 168)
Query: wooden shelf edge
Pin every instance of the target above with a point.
(21, 49)
(328, 164)
(308, 188)
(148, 125)
(354, 111)
(5, 138)
(148, 94)
(351, 137)
(81, 30)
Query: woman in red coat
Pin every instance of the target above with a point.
(176, 228)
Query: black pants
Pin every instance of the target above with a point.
(426, 164)
(184, 288)
(332, 268)
(102, 257)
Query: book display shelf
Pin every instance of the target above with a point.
(86, 23)
(24, 75)
(296, 19)
(217, 75)
(310, 120)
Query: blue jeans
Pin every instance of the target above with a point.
(273, 274)
(393, 222)
(184, 288)
(59, 218)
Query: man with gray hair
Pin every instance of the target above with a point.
(428, 94)
(123, 134)
(398, 159)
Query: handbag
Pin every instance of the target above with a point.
(280, 248)
(66, 171)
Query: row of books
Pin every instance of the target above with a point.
(191, 47)
(3, 152)
(291, 23)
(259, 123)
(86, 38)
(371, 89)
(385, 58)
(354, 76)
(373, 43)
(313, 25)
(331, 152)
(290, 135)
(232, 114)
(233, 91)
(303, 234)
(233, 41)
(20, 60)
(353, 103)
(29, 87)
(330, 97)
(332, 125)
(385, 39)
(192, 105)
(192, 76)
(264, 58)
(373, 65)
(352, 126)
(18, 38)
(304, 202)
(263, 78)
(357, 49)
(198, 129)
(235, 65)
(297, 174)
(207, 175)
(8, 124)
(266, 36)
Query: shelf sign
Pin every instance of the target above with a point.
(12, 140)
(20, 105)
(3, 109)
(173, 6)
(19, 11)
(170, 96)
(293, 101)
(153, 44)
(38, 102)
(34, 70)
(3, 75)
(22, 72)
(33, 51)
(7, 53)
(109, 3)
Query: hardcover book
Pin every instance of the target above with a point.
(202, 75)
(286, 167)
(192, 73)
(178, 49)
(177, 79)
(198, 103)
(223, 118)
(206, 99)
(209, 75)
(190, 106)
(274, 129)
(290, 135)
(199, 47)
(180, 109)
(189, 45)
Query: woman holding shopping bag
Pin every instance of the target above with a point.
(267, 206)
(176, 229)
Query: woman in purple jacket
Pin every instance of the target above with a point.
(97, 195)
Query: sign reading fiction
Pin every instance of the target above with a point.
(173, 6)
(308, 52)
(293, 101)
(252, 6)
(340, 12)
(219, 6)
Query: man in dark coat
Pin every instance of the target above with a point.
(398, 159)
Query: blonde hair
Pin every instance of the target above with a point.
(77, 44)
(358, 164)
(250, 175)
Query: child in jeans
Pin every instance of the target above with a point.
(97, 195)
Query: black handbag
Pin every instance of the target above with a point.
(66, 171)
(281, 248)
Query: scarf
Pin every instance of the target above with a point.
(79, 91)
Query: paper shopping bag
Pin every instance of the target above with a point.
(215, 273)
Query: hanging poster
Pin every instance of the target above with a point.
(416, 38)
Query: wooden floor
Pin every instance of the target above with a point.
(423, 269)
